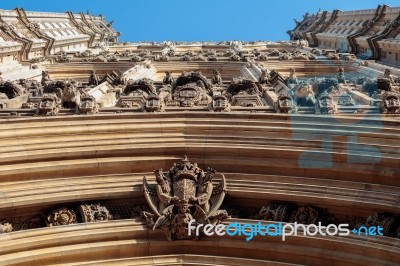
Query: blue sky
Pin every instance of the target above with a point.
(194, 20)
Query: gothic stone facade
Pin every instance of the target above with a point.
(110, 150)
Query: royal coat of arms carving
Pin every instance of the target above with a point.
(183, 194)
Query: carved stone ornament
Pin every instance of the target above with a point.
(136, 93)
(390, 102)
(88, 105)
(344, 99)
(275, 212)
(263, 57)
(28, 105)
(191, 89)
(220, 103)
(388, 222)
(137, 58)
(24, 222)
(164, 58)
(94, 213)
(216, 79)
(138, 87)
(49, 106)
(168, 79)
(186, 58)
(303, 95)
(305, 215)
(245, 93)
(5, 27)
(184, 193)
(285, 104)
(234, 57)
(61, 216)
(11, 89)
(71, 96)
(33, 26)
(132, 102)
(326, 104)
(154, 104)
(6, 228)
(243, 86)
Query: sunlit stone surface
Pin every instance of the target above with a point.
(304, 131)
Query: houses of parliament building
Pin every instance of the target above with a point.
(119, 153)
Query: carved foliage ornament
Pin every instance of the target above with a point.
(6, 228)
(61, 216)
(24, 222)
(184, 193)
